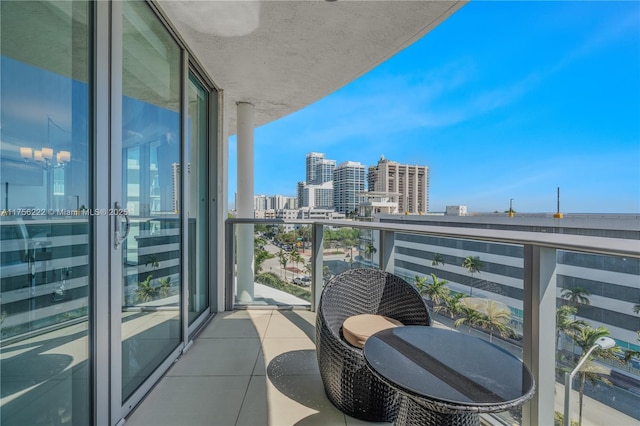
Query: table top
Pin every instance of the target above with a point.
(447, 366)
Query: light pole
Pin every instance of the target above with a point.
(602, 343)
(510, 207)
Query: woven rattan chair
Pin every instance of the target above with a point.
(347, 381)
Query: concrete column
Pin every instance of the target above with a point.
(387, 251)
(317, 282)
(538, 343)
(244, 200)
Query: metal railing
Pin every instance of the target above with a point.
(539, 290)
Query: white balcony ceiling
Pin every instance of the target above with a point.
(284, 55)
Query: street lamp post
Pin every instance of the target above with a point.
(602, 343)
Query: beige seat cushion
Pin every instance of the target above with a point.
(358, 328)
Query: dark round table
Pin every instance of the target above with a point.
(445, 377)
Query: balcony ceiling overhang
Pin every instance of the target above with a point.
(281, 56)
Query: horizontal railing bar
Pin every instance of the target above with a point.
(582, 243)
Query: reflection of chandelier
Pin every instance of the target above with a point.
(45, 156)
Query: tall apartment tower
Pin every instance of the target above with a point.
(175, 186)
(348, 182)
(411, 182)
(300, 194)
(312, 159)
(324, 171)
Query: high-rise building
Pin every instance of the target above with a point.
(324, 171)
(300, 194)
(348, 182)
(312, 159)
(262, 202)
(175, 186)
(318, 196)
(410, 181)
(275, 202)
(284, 202)
(318, 169)
(317, 191)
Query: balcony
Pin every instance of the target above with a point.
(258, 367)
(255, 363)
(528, 272)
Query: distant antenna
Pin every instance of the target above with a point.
(558, 215)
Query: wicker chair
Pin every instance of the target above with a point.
(348, 383)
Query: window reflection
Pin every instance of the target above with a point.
(151, 193)
(44, 239)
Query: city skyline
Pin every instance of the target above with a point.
(504, 100)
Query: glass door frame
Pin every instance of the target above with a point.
(119, 408)
(212, 138)
(101, 225)
(108, 189)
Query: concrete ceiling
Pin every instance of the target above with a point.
(284, 55)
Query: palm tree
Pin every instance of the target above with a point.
(420, 283)
(469, 316)
(283, 259)
(630, 353)
(437, 260)
(308, 269)
(146, 292)
(305, 233)
(370, 250)
(576, 296)
(636, 308)
(348, 245)
(473, 265)
(451, 304)
(437, 291)
(295, 257)
(259, 258)
(497, 319)
(326, 272)
(566, 325)
(585, 339)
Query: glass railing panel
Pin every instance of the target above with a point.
(483, 297)
(470, 286)
(344, 248)
(281, 273)
(598, 296)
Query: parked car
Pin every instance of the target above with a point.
(302, 281)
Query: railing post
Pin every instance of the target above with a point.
(387, 251)
(317, 264)
(229, 270)
(538, 344)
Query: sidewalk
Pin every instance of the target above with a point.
(593, 412)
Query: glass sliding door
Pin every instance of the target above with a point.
(45, 233)
(198, 188)
(151, 169)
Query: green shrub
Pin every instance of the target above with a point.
(558, 419)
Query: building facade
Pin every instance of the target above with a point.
(612, 282)
(348, 183)
(318, 196)
(312, 159)
(411, 182)
(274, 202)
(317, 191)
(324, 171)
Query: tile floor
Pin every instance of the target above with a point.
(252, 367)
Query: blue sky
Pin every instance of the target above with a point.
(503, 100)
